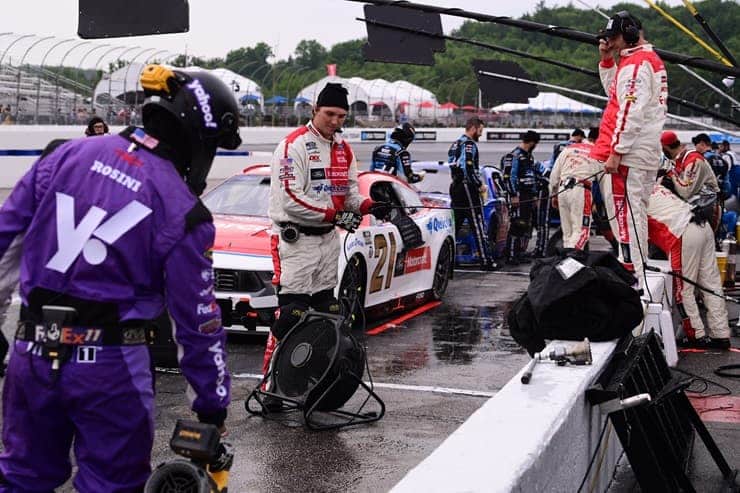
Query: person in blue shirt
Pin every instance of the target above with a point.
(467, 187)
(393, 157)
(575, 138)
(521, 180)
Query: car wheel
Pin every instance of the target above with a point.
(443, 269)
(352, 291)
(493, 235)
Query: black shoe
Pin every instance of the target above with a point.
(512, 261)
(704, 342)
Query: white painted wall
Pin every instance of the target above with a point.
(535, 437)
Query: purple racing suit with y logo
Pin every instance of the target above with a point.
(112, 224)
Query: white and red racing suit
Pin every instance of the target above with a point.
(691, 172)
(631, 125)
(312, 179)
(575, 169)
(690, 249)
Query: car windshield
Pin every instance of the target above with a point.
(245, 195)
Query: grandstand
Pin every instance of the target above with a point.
(36, 95)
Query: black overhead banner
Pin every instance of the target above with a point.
(497, 91)
(116, 18)
(391, 45)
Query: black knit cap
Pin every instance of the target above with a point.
(333, 94)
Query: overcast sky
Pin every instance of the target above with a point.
(216, 26)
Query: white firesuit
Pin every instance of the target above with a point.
(574, 204)
(691, 172)
(631, 126)
(312, 178)
(690, 248)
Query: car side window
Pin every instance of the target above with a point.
(383, 191)
(409, 198)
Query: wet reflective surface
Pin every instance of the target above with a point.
(426, 369)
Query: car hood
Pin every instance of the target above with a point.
(242, 234)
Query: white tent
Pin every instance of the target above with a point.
(550, 102)
(379, 96)
(123, 87)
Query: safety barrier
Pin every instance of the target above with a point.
(536, 437)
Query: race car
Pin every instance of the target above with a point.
(436, 186)
(379, 272)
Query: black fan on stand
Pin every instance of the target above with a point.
(316, 368)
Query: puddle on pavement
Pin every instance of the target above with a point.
(462, 333)
(447, 335)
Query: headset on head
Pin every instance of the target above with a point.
(628, 26)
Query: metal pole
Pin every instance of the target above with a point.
(19, 38)
(601, 98)
(557, 31)
(20, 70)
(110, 78)
(125, 77)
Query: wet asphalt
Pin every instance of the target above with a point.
(432, 372)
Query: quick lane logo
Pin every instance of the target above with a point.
(203, 99)
(73, 240)
(437, 224)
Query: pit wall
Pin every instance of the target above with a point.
(537, 437)
(20, 145)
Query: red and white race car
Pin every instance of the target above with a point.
(376, 270)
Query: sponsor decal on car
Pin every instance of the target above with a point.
(418, 259)
(436, 224)
(367, 237)
(355, 243)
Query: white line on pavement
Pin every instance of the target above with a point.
(380, 385)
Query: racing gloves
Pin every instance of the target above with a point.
(381, 210)
(347, 220)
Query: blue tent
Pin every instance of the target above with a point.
(249, 97)
(276, 100)
(301, 99)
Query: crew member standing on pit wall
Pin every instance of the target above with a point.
(393, 157)
(114, 233)
(313, 189)
(467, 187)
(571, 180)
(629, 134)
(688, 241)
(521, 181)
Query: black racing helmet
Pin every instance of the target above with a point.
(404, 134)
(205, 108)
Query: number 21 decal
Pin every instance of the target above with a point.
(381, 251)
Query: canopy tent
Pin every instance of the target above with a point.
(276, 100)
(372, 97)
(122, 87)
(548, 102)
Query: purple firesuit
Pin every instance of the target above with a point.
(108, 221)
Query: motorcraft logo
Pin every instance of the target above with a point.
(436, 224)
(203, 101)
(418, 259)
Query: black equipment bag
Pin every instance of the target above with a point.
(593, 298)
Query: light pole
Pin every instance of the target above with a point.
(97, 64)
(110, 78)
(125, 77)
(20, 70)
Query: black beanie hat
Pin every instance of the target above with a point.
(333, 95)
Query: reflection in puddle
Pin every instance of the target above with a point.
(462, 333)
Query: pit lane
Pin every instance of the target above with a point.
(433, 371)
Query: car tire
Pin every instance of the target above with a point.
(352, 291)
(443, 269)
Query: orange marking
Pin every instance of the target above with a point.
(724, 409)
(406, 316)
